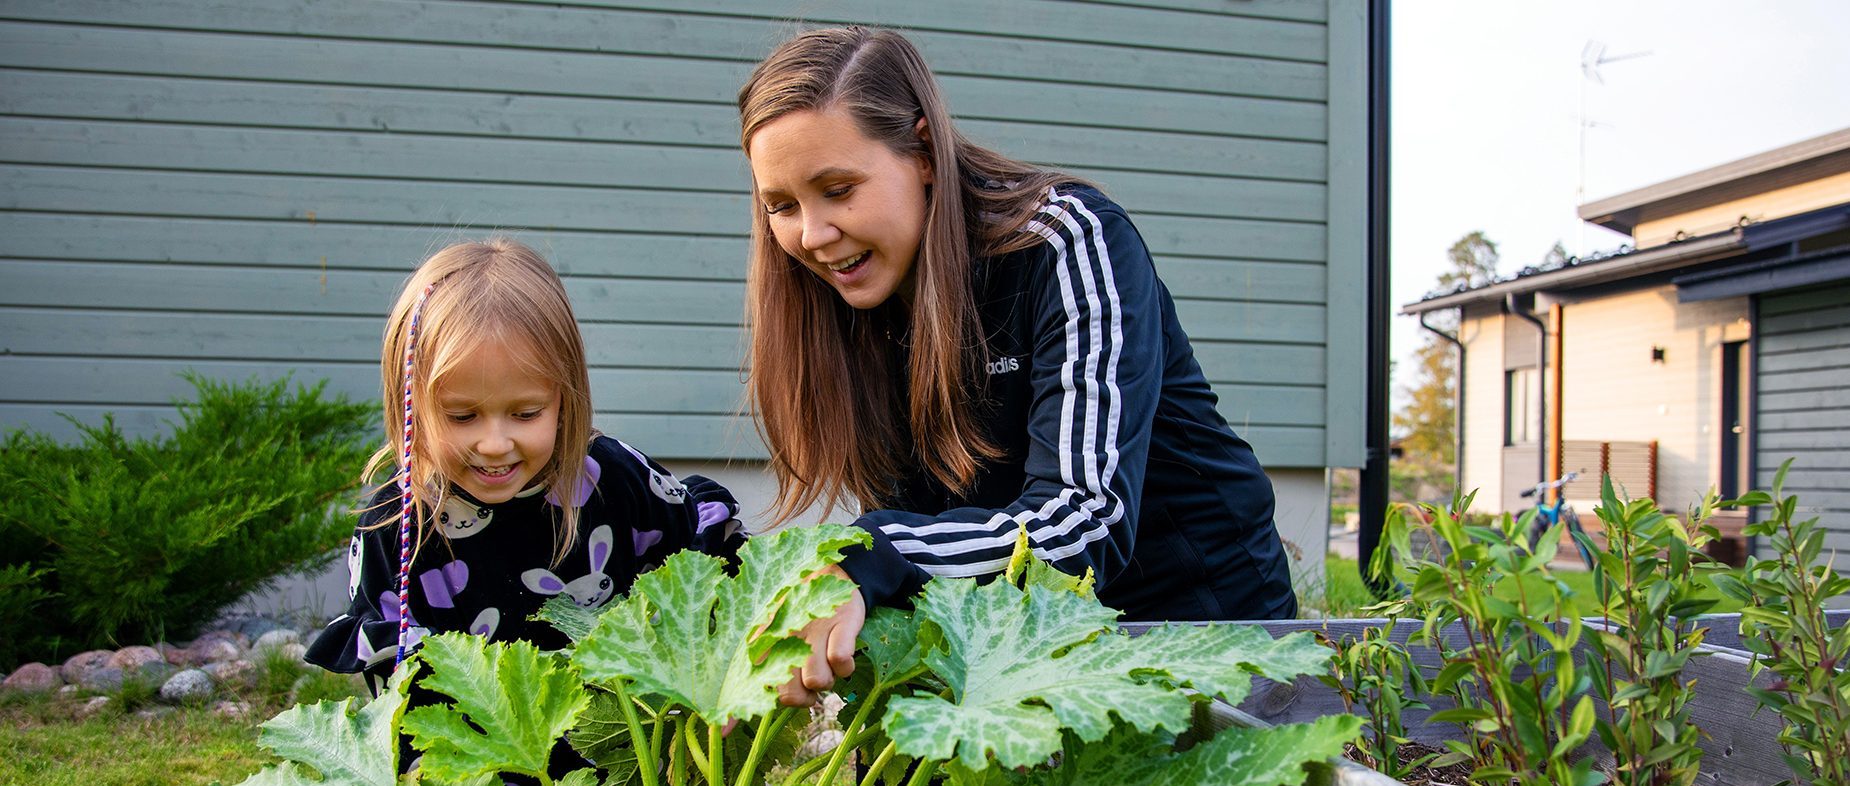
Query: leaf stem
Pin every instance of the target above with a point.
(690, 734)
(851, 732)
(645, 758)
(880, 762)
(716, 748)
(805, 769)
(677, 762)
(761, 740)
(923, 773)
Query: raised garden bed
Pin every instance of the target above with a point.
(1740, 744)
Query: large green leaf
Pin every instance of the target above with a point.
(571, 619)
(603, 737)
(1020, 670)
(512, 703)
(1251, 757)
(721, 646)
(1218, 660)
(342, 746)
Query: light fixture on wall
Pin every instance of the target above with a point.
(1657, 354)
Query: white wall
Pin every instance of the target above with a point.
(1614, 392)
(1482, 335)
(1303, 518)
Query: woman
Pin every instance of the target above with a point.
(966, 345)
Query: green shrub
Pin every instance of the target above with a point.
(134, 540)
(22, 592)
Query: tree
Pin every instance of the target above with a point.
(1427, 422)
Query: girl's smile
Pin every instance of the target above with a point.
(497, 423)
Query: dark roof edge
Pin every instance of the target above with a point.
(1607, 212)
(1637, 263)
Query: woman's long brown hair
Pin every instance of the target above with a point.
(821, 372)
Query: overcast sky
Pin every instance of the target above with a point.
(1487, 95)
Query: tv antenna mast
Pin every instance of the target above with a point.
(1592, 56)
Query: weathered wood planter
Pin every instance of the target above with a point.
(1740, 746)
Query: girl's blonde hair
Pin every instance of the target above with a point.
(495, 290)
(821, 388)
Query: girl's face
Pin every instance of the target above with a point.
(846, 206)
(496, 423)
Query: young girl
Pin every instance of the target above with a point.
(965, 344)
(512, 497)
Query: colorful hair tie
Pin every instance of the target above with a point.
(406, 505)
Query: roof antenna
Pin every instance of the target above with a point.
(1592, 56)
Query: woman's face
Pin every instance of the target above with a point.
(847, 207)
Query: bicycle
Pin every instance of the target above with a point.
(1547, 515)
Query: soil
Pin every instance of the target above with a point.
(1454, 775)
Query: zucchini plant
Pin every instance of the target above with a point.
(1024, 680)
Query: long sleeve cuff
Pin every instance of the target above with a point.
(885, 576)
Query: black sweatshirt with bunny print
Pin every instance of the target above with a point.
(492, 567)
(1117, 459)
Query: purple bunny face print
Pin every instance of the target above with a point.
(461, 519)
(581, 487)
(588, 591)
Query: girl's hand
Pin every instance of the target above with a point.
(831, 641)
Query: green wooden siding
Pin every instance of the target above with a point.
(238, 186)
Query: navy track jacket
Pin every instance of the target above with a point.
(1116, 458)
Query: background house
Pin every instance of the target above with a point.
(237, 186)
(1702, 356)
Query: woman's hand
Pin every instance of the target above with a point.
(831, 642)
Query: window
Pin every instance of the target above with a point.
(1522, 407)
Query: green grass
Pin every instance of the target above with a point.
(42, 743)
(43, 746)
(1344, 595)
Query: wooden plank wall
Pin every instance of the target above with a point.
(238, 186)
(1802, 396)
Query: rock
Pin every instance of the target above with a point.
(153, 713)
(130, 659)
(68, 691)
(232, 709)
(256, 627)
(275, 639)
(232, 636)
(240, 673)
(93, 706)
(213, 650)
(76, 665)
(294, 652)
(156, 673)
(186, 687)
(105, 679)
(174, 655)
(33, 678)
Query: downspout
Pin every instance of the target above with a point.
(1374, 480)
(1752, 547)
(1541, 384)
(1458, 423)
(1557, 381)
